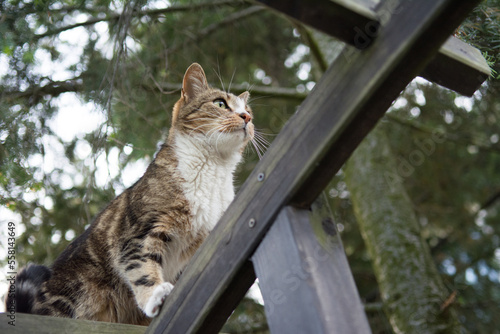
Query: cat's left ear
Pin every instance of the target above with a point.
(194, 82)
(244, 96)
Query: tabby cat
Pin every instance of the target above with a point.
(125, 264)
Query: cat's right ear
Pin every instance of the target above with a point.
(194, 82)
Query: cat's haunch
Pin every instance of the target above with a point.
(125, 264)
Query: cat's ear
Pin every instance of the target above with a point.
(194, 82)
(244, 96)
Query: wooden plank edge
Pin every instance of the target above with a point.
(30, 323)
(459, 67)
(346, 20)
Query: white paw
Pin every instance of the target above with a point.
(152, 307)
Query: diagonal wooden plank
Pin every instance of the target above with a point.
(456, 66)
(347, 20)
(345, 105)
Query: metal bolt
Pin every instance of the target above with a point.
(251, 223)
(261, 177)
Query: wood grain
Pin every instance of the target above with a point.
(29, 323)
(349, 21)
(305, 278)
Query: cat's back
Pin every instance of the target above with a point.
(84, 281)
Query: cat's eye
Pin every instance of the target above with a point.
(221, 104)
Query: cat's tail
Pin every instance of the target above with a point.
(24, 288)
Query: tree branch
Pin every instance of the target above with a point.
(374, 307)
(53, 88)
(491, 200)
(262, 91)
(313, 46)
(234, 17)
(150, 12)
(75, 85)
(448, 136)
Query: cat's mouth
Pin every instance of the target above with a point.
(246, 129)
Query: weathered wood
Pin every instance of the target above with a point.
(219, 312)
(349, 21)
(29, 323)
(305, 278)
(353, 94)
(456, 66)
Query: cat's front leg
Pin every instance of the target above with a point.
(147, 285)
(142, 269)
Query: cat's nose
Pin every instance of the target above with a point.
(246, 117)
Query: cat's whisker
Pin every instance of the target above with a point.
(261, 137)
(220, 77)
(250, 87)
(216, 130)
(231, 81)
(257, 149)
(262, 142)
(259, 146)
(258, 104)
(220, 133)
(202, 125)
(266, 133)
(263, 147)
(258, 98)
(197, 119)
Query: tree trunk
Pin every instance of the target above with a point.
(415, 298)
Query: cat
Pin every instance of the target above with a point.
(124, 265)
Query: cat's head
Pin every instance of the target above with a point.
(221, 120)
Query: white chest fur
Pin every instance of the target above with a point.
(208, 185)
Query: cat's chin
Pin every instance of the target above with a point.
(229, 142)
(223, 144)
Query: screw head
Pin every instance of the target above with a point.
(260, 177)
(251, 223)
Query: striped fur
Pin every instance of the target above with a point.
(125, 264)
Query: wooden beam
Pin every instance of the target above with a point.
(457, 66)
(346, 103)
(347, 20)
(305, 278)
(30, 323)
